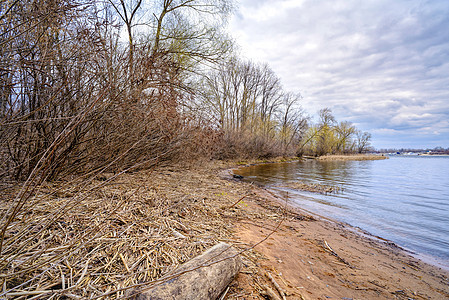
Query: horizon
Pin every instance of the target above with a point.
(382, 65)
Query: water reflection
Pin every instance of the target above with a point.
(403, 199)
(309, 171)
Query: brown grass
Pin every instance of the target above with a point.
(353, 157)
(314, 187)
(95, 240)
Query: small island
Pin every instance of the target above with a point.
(353, 157)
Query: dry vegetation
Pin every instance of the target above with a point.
(97, 239)
(101, 238)
(77, 103)
(352, 157)
(90, 122)
(314, 187)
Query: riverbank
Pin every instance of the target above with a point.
(353, 157)
(139, 226)
(312, 257)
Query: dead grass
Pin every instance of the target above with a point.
(352, 157)
(96, 240)
(314, 187)
(78, 239)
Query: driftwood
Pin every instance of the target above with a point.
(277, 286)
(268, 292)
(204, 277)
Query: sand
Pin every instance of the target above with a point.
(312, 257)
(162, 218)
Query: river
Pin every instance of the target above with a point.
(404, 199)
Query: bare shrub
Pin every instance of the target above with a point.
(72, 107)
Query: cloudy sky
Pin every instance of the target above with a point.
(383, 65)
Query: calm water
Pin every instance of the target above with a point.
(404, 199)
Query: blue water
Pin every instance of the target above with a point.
(404, 199)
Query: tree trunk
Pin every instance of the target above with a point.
(204, 277)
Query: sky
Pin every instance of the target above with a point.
(383, 65)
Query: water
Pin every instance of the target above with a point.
(404, 199)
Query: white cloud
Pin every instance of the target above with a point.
(379, 64)
(385, 131)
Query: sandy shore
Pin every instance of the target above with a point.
(316, 258)
(162, 218)
(312, 257)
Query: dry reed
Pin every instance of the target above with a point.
(85, 241)
(352, 157)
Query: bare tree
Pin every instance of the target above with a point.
(127, 11)
(292, 121)
(363, 141)
(256, 116)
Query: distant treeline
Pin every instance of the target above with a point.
(436, 150)
(94, 86)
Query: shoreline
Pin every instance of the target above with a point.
(394, 269)
(169, 215)
(324, 189)
(426, 258)
(352, 157)
(335, 252)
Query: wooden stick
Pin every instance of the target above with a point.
(204, 277)
(124, 262)
(271, 294)
(277, 286)
(238, 201)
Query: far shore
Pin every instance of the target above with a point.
(353, 157)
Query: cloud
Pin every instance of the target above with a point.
(380, 64)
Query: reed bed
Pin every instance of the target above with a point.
(352, 157)
(314, 187)
(95, 240)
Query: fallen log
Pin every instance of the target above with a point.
(203, 277)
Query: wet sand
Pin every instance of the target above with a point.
(177, 212)
(313, 257)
